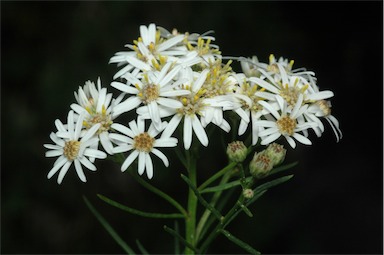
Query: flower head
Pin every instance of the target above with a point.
(71, 147)
(141, 143)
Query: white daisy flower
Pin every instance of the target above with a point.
(97, 107)
(192, 106)
(69, 149)
(322, 109)
(152, 90)
(289, 88)
(148, 50)
(246, 105)
(141, 143)
(285, 123)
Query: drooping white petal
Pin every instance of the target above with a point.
(57, 140)
(291, 141)
(269, 139)
(172, 125)
(128, 161)
(105, 141)
(88, 164)
(59, 163)
(122, 148)
(141, 166)
(199, 130)
(187, 137)
(161, 156)
(79, 170)
(302, 139)
(63, 171)
(148, 166)
(270, 109)
(91, 132)
(155, 114)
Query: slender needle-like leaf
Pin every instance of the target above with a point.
(181, 239)
(139, 212)
(108, 227)
(240, 243)
(143, 251)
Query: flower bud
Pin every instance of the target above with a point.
(260, 165)
(236, 151)
(248, 193)
(276, 153)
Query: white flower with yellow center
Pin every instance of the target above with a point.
(154, 89)
(141, 143)
(289, 88)
(97, 107)
(246, 105)
(192, 107)
(69, 149)
(148, 51)
(284, 123)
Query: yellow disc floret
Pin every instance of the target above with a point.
(143, 142)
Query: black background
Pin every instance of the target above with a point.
(334, 204)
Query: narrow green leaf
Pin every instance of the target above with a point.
(177, 242)
(223, 186)
(272, 183)
(181, 239)
(160, 194)
(283, 167)
(141, 213)
(246, 210)
(240, 243)
(108, 227)
(215, 212)
(141, 248)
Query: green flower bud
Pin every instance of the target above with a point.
(276, 153)
(236, 151)
(260, 165)
(248, 193)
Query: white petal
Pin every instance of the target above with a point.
(123, 129)
(269, 131)
(138, 63)
(132, 124)
(169, 76)
(320, 95)
(57, 140)
(59, 125)
(107, 145)
(165, 142)
(126, 106)
(91, 132)
(270, 109)
(94, 153)
(142, 159)
(175, 93)
(122, 148)
(53, 147)
(168, 102)
(54, 153)
(59, 163)
(121, 138)
(124, 88)
(270, 138)
(155, 114)
(80, 171)
(70, 124)
(128, 161)
(302, 139)
(161, 156)
(63, 171)
(199, 130)
(87, 163)
(242, 127)
(170, 42)
(290, 141)
(187, 138)
(79, 125)
(148, 166)
(172, 125)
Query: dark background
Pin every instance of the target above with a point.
(334, 204)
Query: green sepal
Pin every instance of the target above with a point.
(139, 212)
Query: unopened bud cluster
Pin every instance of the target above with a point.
(263, 162)
(237, 151)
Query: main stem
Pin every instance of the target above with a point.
(190, 222)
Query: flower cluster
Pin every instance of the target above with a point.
(179, 80)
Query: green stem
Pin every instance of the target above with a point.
(190, 221)
(207, 213)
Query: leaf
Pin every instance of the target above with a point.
(215, 212)
(224, 186)
(283, 167)
(177, 242)
(181, 239)
(141, 248)
(108, 227)
(140, 213)
(240, 243)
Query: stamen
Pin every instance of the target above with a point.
(286, 125)
(71, 149)
(143, 142)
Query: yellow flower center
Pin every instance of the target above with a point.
(143, 142)
(96, 117)
(286, 125)
(324, 107)
(71, 149)
(149, 93)
(192, 103)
